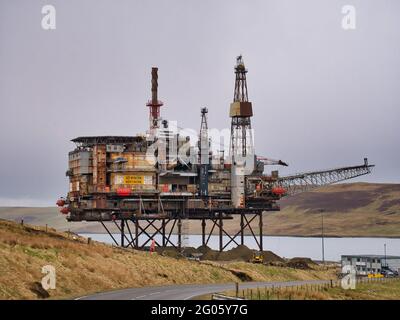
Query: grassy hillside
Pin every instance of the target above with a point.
(83, 268)
(354, 209)
(357, 209)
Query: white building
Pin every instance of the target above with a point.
(368, 264)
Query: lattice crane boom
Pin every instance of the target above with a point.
(303, 182)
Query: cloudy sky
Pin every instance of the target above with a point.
(322, 96)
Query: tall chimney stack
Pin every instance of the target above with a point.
(154, 104)
(154, 85)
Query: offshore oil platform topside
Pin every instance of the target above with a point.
(147, 185)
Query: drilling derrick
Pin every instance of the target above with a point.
(204, 154)
(154, 104)
(241, 148)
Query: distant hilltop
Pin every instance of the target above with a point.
(350, 209)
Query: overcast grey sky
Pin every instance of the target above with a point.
(322, 96)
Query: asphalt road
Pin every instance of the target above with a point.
(186, 292)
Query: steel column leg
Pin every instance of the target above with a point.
(203, 231)
(164, 240)
(122, 233)
(136, 233)
(179, 233)
(221, 244)
(241, 229)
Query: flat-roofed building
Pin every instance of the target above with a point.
(369, 264)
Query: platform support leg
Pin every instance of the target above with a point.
(241, 229)
(164, 240)
(122, 233)
(136, 233)
(203, 232)
(179, 233)
(221, 243)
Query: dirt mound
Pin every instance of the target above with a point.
(208, 253)
(239, 253)
(301, 263)
(269, 257)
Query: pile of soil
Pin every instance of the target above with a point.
(240, 253)
(208, 253)
(270, 257)
(301, 263)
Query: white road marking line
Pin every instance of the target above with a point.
(154, 293)
(140, 296)
(81, 298)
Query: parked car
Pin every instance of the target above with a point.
(388, 273)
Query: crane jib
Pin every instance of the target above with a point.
(303, 182)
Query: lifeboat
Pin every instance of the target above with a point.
(64, 210)
(60, 202)
(124, 192)
(278, 191)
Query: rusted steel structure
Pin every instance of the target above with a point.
(147, 185)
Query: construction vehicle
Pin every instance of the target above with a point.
(257, 257)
